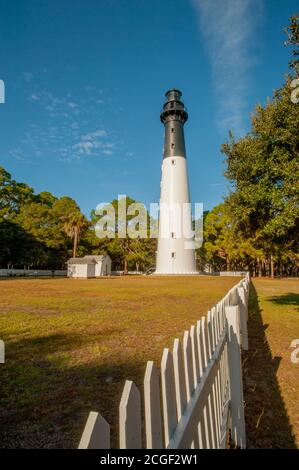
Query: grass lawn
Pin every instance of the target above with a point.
(70, 344)
(271, 380)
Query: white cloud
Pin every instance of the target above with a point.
(84, 147)
(228, 28)
(95, 134)
(93, 143)
(59, 132)
(34, 97)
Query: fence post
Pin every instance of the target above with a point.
(235, 376)
(246, 285)
(243, 317)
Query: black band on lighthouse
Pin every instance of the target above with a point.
(174, 116)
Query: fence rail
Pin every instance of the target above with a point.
(199, 402)
(11, 272)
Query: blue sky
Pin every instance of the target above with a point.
(85, 82)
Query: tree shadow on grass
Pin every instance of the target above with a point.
(267, 422)
(45, 403)
(287, 299)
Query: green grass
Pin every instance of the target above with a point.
(271, 380)
(71, 344)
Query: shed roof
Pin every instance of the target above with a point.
(97, 258)
(81, 261)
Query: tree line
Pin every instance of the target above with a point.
(255, 228)
(257, 225)
(43, 231)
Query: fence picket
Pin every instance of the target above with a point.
(217, 377)
(152, 407)
(243, 317)
(221, 389)
(188, 363)
(218, 399)
(202, 433)
(235, 375)
(204, 330)
(207, 425)
(209, 335)
(217, 308)
(195, 359)
(223, 323)
(211, 407)
(217, 322)
(179, 378)
(130, 417)
(213, 329)
(168, 395)
(201, 360)
(96, 434)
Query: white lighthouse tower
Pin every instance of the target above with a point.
(175, 254)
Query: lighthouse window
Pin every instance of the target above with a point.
(172, 145)
(172, 129)
(172, 234)
(173, 255)
(173, 162)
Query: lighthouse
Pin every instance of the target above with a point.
(175, 253)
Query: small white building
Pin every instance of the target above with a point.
(81, 268)
(90, 266)
(102, 264)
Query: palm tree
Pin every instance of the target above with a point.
(74, 227)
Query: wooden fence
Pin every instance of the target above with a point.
(200, 402)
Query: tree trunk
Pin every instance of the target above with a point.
(267, 268)
(75, 244)
(254, 270)
(259, 265)
(227, 264)
(126, 266)
(272, 267)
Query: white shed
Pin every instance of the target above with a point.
(89, 266)
(102, 266)
(81, 268)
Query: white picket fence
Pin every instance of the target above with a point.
(32, 272)
(200, 402)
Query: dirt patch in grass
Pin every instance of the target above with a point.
(271, 380)
(71, 344)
